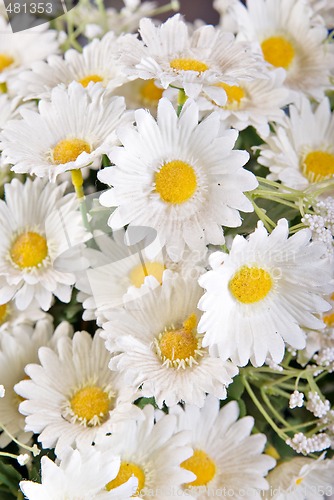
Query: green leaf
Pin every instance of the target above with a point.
(236, 389)
(9, 477)
(142, 402)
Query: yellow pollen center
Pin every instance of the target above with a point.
(299, 480)
(278, 51)
(176, 182)
(318, 166)
(90, 402)
(179, 344)
(68, 150)
(188, 65)
(127, 470)
(139, 273)
(201, 465)
(328, 319)
(3, 313)
(29, 250)
(85, 81)
(5, 61)
(150, 93)
(250, 284)
(234, 93)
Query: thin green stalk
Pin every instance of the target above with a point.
(272, 409)
(257, 403)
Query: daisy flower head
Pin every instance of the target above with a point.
(72, 395)
(151, 450)
(78, 474)
(302, 479)
(155, 344)
(39, 225)
(19, 50)
(98, 63)
(181, 178)
(226, 457)
(193, 60)
(263, 293)
(300, 150)
(290, 39)
(17, 349)
(119, 273)
(71, 131)
(256, 102)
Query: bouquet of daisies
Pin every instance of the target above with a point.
(166, 253)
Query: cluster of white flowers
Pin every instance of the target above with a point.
(316, 405)
(296, 400)
(140, 326)
(321, 223)
(303, 444)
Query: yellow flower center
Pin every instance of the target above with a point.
(85, 81)
(150, 93)
(201, 465)
(176, 182)
(234, 93)
(139, 273)
(3, 313)
(250, 284)
(68, 150)
(299, 480)
(179, 347)
(318, 166)
(90, 404)
(29, 250)
(278, 51)
(329, 319)
(127, 470)
(188, 65)
(5, 61)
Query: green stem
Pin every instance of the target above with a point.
(272, 409)
(257, 403)
(33, 449)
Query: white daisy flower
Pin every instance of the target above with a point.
(301, 150)
(151, 450)
(71, 131)
(289, 39)
(119, 273)
(301, 479)
(178, 177)
(190, 59)
(155, 345)
(39, 224)
(226, 457)
(19, 50)
(263, 293)
(98, 62)
(79, 474)
(72, 396)
(16, 351)
(256, 103)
